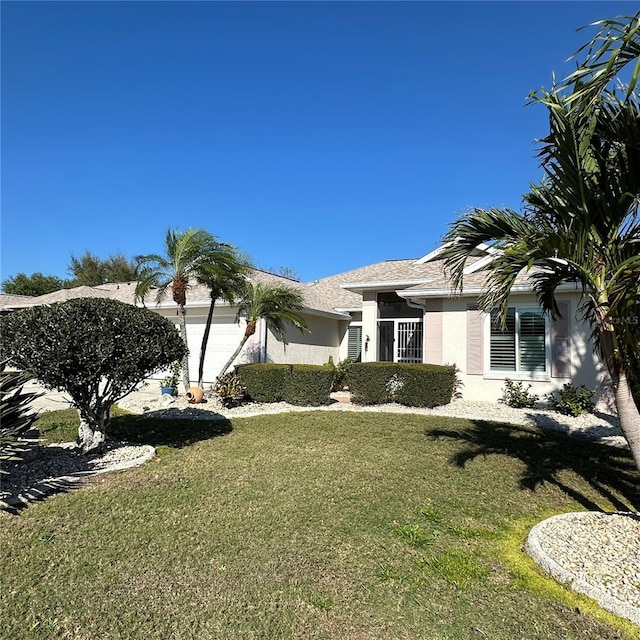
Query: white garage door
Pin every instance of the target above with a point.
(224, 338)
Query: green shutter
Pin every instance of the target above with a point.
(531, 343)
(354, 343)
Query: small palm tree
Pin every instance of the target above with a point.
(275, 304)
(225, 273)
(187, 258)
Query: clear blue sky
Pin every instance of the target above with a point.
(320, 136)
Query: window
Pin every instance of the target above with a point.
(521, 344)
(354, 343)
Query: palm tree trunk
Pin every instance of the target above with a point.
(629, 416)
(628, 413)
(248, 332)
(234, 356)
(183, 333)
(205, 339)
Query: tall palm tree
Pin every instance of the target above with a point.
(579, 225)
(186, 259)
(277, 305)
(225, 273)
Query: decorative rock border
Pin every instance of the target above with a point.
(598, 554)
(119, 456)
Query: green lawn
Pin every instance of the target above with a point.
(343, 526)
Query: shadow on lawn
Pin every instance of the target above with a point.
(608, 470)
(175, 433)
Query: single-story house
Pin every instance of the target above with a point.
(402, 311)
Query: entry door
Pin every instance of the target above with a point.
(385, 340)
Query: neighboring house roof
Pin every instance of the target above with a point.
(8, 300)
(123, 291)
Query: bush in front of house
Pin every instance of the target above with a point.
(425, 385)
(515, 395)
(572, 401)
(371, 382)
(413, 385)
(97, 350)
(298, 384)
(264, 382)
(308, 385)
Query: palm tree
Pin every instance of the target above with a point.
(277, 305)
(579, 225)
(615, 46)
(187, 258)
(225, 274)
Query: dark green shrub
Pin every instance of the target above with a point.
(264, 382)
(572, 401)
(425, 385)
(515, 395)
(369, 382)
(97, 350)
(230, 390)
(413, 385)
(16, 414)
(308, 385)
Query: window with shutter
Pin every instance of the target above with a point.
(503, 342)
(354, 343)
(521, 345)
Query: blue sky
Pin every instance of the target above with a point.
(319, 136)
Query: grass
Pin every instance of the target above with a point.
(345, 526)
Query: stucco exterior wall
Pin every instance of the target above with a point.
(308, 348)
(488, 386)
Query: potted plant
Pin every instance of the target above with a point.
(169, 385)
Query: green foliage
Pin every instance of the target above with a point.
(90, 270)
(264, 382)
(172, 379)
(16, 415)
(339, 372)
(369, 382)
(37, 284)
(425, 385)
(515, 395)
(572, 401)
(413, 385)
(97, 350)
(299, 384)
(308, 385)
(230, 390)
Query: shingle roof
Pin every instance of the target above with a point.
(343, 290)
(123, 291)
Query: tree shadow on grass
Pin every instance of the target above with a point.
(175, 433)
(608, 470)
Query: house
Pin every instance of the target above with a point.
(401, 311)
(407, 313)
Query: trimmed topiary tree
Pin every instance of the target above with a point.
(96, 350)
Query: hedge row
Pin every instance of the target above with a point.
(412, 385)
(297, 384)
